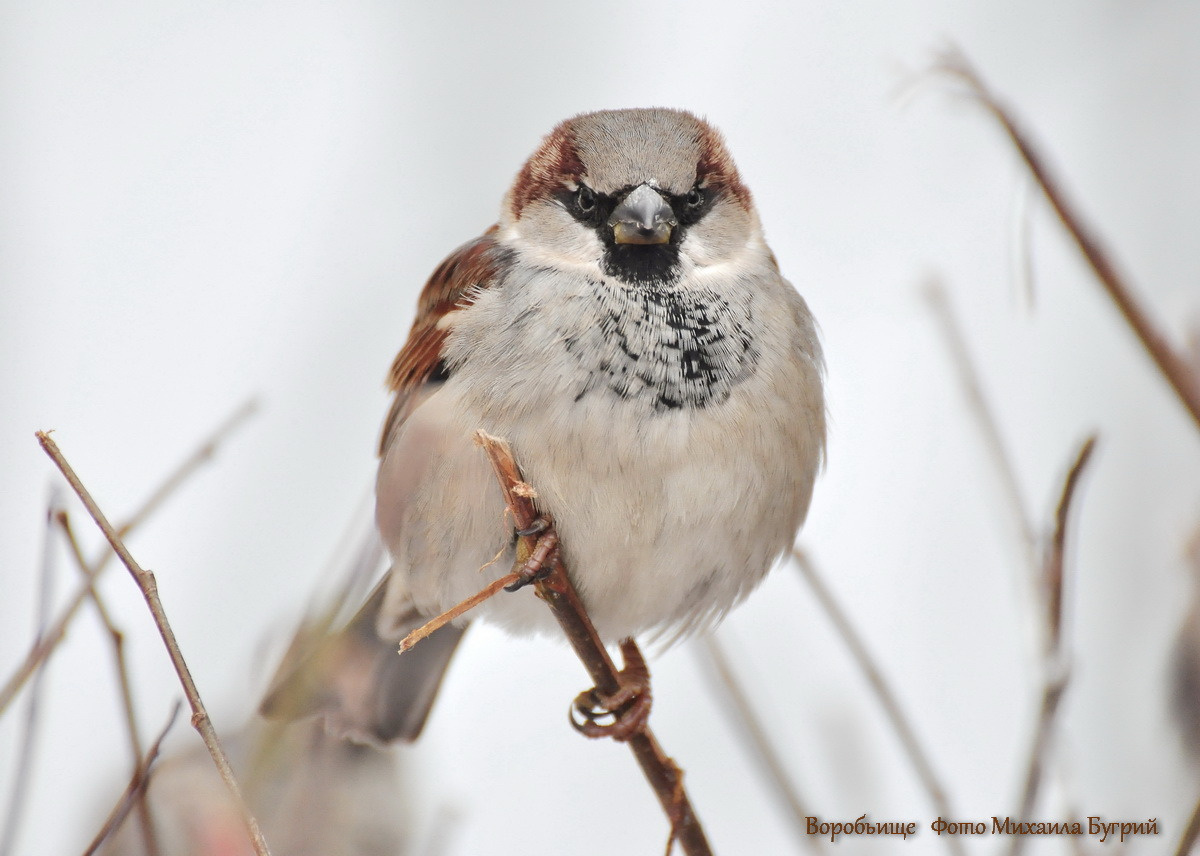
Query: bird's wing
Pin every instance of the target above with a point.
(454, 285)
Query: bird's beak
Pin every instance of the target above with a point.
(643, 217)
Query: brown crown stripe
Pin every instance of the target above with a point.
(555, 160)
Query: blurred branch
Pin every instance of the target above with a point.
(200, 456)
(1171, 363)
(1055, 683)
(1055, 573)
(149, 838)
(1191, 832)
(742, 711)
(146, 582)
(968, 377)
(136, 788)
(1022, 244)
(45, 646)
(1046, 573)
(29, 727)
(559, 594)
(900, 723)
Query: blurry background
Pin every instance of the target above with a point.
(203, 202)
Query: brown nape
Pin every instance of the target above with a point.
(555, 161)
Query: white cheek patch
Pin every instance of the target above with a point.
(724, 234)
(552, 236)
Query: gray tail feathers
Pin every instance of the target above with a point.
(366, 690)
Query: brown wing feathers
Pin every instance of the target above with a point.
(473, 266)
(469, 268)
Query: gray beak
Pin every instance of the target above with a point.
(643, 217)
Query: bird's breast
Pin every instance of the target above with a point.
(665, 347)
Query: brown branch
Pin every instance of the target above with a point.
(1187, 841)
(1055, 574)
(149, 588)
(490, 590)
(883, 691)
(1055, 684)
(47, 644)
(1044, 572)
(557, 591)
(1171, 362)
(136, 789)
(753, 729)
(117, 638)
(989, 427)
(27, 740)
(201, 455)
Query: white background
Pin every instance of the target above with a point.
(203, 202)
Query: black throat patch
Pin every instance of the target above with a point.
(642, 264)
(667, 346)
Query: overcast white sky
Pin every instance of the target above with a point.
(202, 202)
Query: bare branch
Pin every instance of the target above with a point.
(1055, 683)
(751, 727)
(117, 638)
(1055, 574)
(490, 590)
(1171, 362)
(883, 691)
(557, 591)
(146, 582)
(1045, 572)
(977, 402)
(198, 458)
(136, 789)
(50, 640)
(1187, 841)
(28, 739)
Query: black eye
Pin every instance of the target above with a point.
(585, 199)
(695, 198)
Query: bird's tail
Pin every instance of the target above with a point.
(360, 683)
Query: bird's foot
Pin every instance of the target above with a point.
(541, 560)
(628, 707)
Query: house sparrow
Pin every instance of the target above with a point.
(626, 328)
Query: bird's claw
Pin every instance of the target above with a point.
(628, 707)
(537, 527)
(541, 561)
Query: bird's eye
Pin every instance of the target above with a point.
(695, 198)
(585, 199)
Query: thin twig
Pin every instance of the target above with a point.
(1022, 245)
(883, 691)
(1047, 592)
(1056, 673)
(968, 377)
(149, 587)
(1191, 833)
(488, 591)
(752, 728)
(557, 591)
(1171, 362)
(199, 456)
(44, 647)
(1055, 573)
(117, 638)
(136, 788)
(28, 739)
